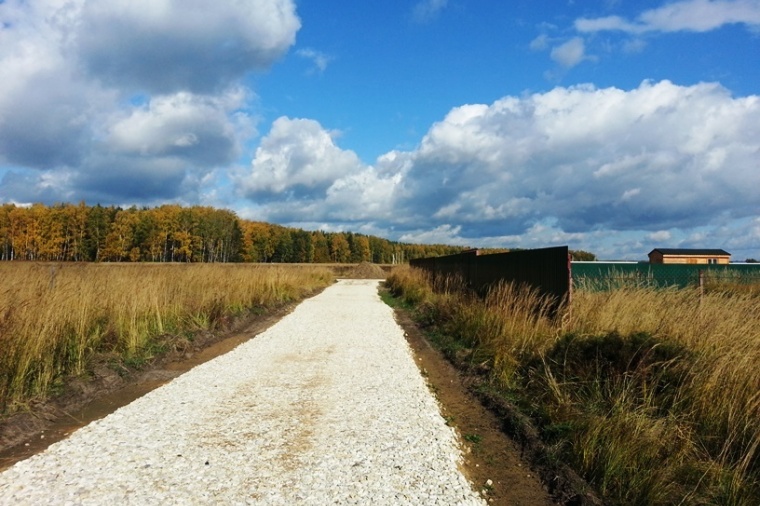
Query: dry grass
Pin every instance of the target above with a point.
(54, 317)
(654, 395)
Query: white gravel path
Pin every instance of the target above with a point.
(325, 407)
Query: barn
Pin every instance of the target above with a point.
(688, 256)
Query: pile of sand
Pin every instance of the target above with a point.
(366, 270)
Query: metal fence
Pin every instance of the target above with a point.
(547, 269)
(610, 275)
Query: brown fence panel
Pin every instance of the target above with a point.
(546, 269)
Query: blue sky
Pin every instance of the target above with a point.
(611, 126)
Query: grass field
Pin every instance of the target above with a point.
(653, 395)
(55, 317)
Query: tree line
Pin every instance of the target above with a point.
(172, 233)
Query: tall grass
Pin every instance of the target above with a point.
(654, 395)
(55, 317)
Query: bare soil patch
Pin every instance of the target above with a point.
(366, 270)
(504, 449)
(493, 461)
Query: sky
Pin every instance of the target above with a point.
(610, 126)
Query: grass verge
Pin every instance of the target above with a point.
(54, 318)
(651, 395)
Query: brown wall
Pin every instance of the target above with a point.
(659, 258)
(546, 269)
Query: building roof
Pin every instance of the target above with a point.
(694, 252)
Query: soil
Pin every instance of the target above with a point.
(503, 448)
(493, 461)
(366, 270)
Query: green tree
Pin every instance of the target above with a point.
(283, 246)
(98, 225)
(321, 247)
(303, 248)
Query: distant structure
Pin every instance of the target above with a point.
(688, 256)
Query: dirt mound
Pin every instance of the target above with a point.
(366, 270)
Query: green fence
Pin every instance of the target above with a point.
(608, 275)
(546, 269)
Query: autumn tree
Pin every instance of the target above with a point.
(119, 244)
(340, 252)
(361, 251)
(172, 233)
(6, 243)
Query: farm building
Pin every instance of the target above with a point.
(688, 256)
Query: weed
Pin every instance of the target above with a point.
(52, 330)
(652, 394)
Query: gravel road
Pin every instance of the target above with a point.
(325, 407)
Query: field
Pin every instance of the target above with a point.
(652, 395)
(55, 318)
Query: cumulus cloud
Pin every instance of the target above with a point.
(556, 166)
(686, 15)
(659, 154)
(173, 45)
(140, 97)
(198, 129)
(298, 161)
(298, 154)
(45, 107)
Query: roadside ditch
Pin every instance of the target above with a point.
(506, 457)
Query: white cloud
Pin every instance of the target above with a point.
(303, 176)
(571, 53)
(173, 45)
(540, 43)
(444, 234)
(686, 15)
(198, 128)
(634, 46)
(579, 165)
(607, 23)
(73, 71)
(318, 58)
(365, 195)
(426, 10)
(298, 153)
(660, 237)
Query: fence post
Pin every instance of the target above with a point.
(570, 279)
(568, 316)
(701, 286)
